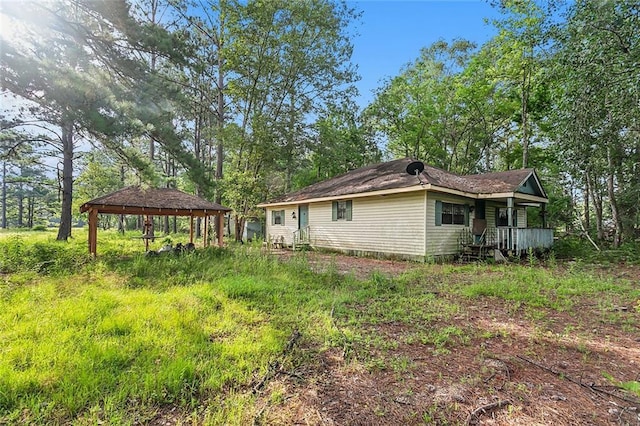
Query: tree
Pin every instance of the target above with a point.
(596, 112)
(436, 111)
(341, 144)
(84, 65)
(287, 60)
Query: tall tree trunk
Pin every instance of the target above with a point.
(4, 195)
(220, 125)
(587, 209)
(152, 66)
(30, 210)
(64, 231)
(615, 212)
(596, 197)
(526, 87)
(121, 222)
(20, 209)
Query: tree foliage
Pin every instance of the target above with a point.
(239, 101)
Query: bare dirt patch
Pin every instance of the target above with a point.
(360, 267)
(517, 366)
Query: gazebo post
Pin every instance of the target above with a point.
(220, 228)
(206, 231)
(148, 229)
(191, 229)
(93, 232)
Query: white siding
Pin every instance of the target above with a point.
(443, 240)
(392, 224)
(522, 217)
(275, 232)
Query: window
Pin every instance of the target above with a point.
(342, 210)
(502, 217)
(451, 214)
(277, 217)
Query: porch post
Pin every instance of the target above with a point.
(510, 222)
(544, 215)
(191, 229)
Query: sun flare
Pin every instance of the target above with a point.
(5, 27)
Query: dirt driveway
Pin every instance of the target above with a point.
(518, 366)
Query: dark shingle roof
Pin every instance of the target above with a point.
(393, 175)
(153, 198)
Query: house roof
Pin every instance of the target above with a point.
(153, 201)
(392, 175)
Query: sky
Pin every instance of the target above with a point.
(392, 32)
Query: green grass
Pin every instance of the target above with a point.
(115, 339)
(540, 287)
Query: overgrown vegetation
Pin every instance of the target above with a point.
(573, 247)
(120, 338)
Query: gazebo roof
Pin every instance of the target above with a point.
(153, 201)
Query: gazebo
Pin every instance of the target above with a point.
(148, 202)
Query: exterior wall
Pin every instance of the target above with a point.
(381, 225)
(276, 232)
(384, 225)
(522, 217)
(443, 240)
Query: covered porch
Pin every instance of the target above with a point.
(500, 223)
(516, 241)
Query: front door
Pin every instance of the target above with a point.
(303, 215)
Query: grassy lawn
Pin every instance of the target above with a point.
(125, 338)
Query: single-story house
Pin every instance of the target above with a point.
(406, 209)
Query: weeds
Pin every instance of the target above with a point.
(538, 287)
(113, 339)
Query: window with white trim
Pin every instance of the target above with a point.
(277, 217)
(451, 214)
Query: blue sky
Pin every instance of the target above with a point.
(392, 32)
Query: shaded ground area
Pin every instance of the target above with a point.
(360, 267)
(492, 362)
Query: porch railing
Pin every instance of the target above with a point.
(514, 239)
(301, 236)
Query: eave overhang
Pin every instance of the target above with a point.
(423, 187)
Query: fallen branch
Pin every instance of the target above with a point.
(474, 417)
(586, 234)
(276, 367)
(504, 367)
(591, 386)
